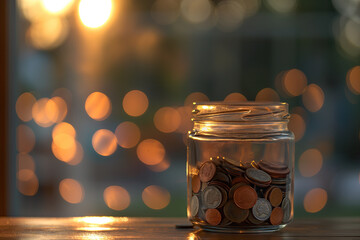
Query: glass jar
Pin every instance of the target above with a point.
(240, 167)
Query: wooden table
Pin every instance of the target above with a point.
(163, 228)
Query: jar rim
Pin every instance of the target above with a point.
(248, 111)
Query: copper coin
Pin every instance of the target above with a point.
(276, 216)
(195, 183)
(207, 171)
(213, 217)
(258, 175)
(245, 197)
(277, 170)
(222, 177)
(267, 192)
(234, 213)
(233, 189)
(275, 197)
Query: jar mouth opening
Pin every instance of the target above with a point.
(241, 111)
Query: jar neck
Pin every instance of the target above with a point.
(209, 127)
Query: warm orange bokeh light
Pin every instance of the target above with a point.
(28, 183)
(195, 97)
(353, 80)
(98, 106)
(25, 139)
(57, 7)
(315, 200)
(71, 191)
(313, 98)
(135, 103)
(310, 162)
(235, 97)
(267, 95)
(24, 105)
(127, 134)
(95, 13)
(62, 108)
(48, 33)
(294, 82)
(167, 119)
(64, 128)
(45, 112)
(196, 11)
(150, 151)
(104, 142)
(160, 167)
(156, 197)
(116, 198)
(297, 126)
(25, 161)
(186, 123)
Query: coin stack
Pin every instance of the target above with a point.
(230, 193)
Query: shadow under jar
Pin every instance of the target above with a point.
(240, 167)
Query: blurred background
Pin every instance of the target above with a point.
(101, 94)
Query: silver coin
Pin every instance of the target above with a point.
(258, 175)
(212, 197)
(286, 207)
(262, 209)
(203, 186)
(194, 206)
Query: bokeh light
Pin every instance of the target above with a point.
(62, 108)
(230, 14)
(71, 191)
(315, 200)
(95, 13)
(186, 123)
(282, 6)
(45, 112)
(235, 97)
(310, 162)
(64, 128)
(353, 80)
(313, 98)
(98, 106)
(297, 125)
(165, 11)
(104, 142)
(25, 139)
(58, 7)
(196, 11)
(160, 167)
(150, 151)
(33, 10)
(28, 183)
(294, 82)
(195, 97)
(116, 198)
(167, 119)
(267, 95)
(48, 33)
(25, 161)
(352, 33)
(156, 197)
(71, 153)
(127, 134)
(135, 103)
(24, 105)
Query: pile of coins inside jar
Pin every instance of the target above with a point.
(230, 193)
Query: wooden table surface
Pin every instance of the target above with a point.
(163, 228)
